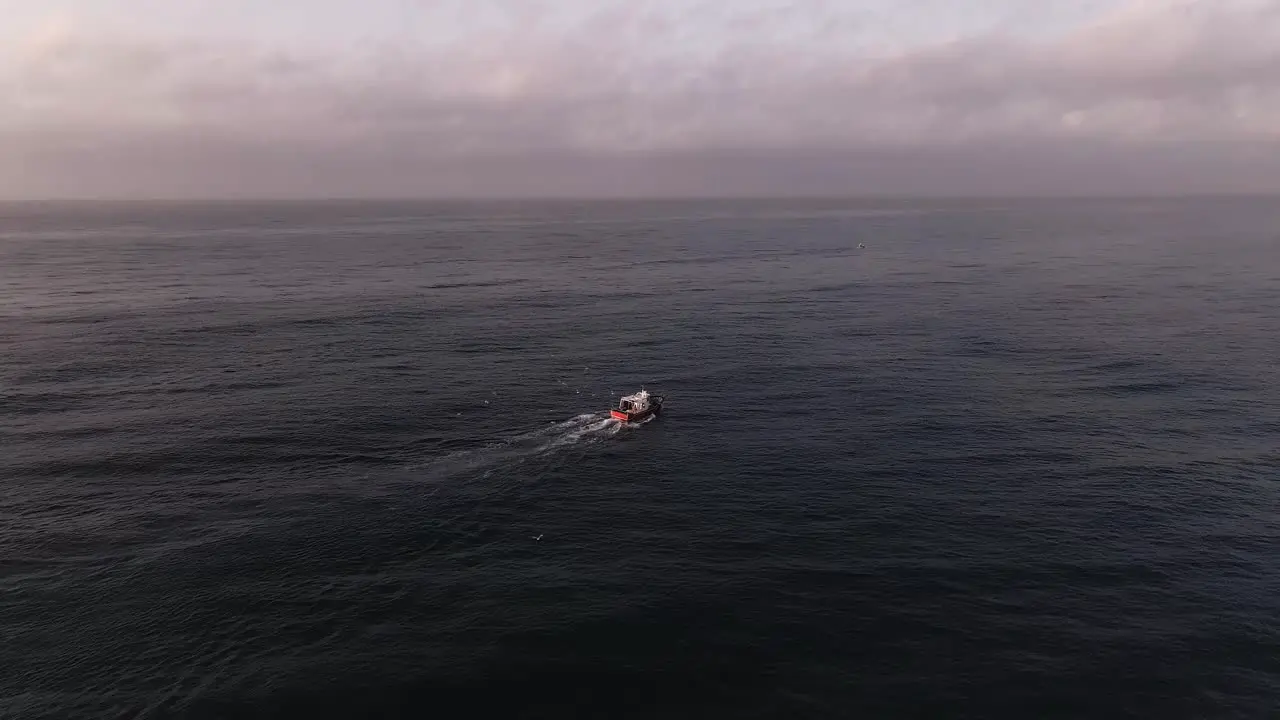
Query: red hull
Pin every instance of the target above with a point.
(630, 417)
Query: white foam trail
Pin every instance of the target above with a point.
(581, 432)
(564, 426)
(583, 427)
(529, 444)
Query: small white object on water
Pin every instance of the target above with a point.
(539, 537)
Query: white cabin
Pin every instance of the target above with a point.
(635, 403)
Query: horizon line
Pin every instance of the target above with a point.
(1226, 194)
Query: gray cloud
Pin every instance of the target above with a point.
(1153, 89)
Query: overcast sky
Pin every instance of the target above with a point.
(403, 98)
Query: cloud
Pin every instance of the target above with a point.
(1163, 75)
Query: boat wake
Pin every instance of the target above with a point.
(542, 442)
(568, 432)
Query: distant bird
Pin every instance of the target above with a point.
(538, 537)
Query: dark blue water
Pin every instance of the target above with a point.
(1011, 459)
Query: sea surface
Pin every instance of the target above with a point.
(351, 459)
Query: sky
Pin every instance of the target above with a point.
(426, 98)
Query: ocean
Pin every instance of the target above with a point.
(981, 458)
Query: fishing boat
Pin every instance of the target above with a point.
(634, 408)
